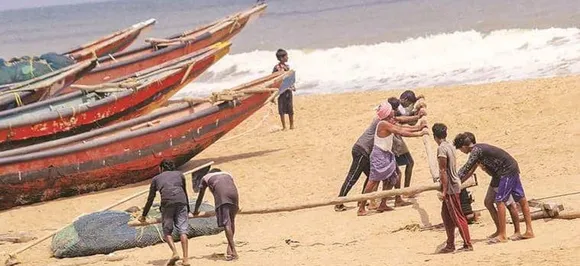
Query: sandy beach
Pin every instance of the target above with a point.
(537, 121)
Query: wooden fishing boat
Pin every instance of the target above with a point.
(95, 106)
(162, 50)
(42, 87)
(130, 151)
(30, 91)
(115, 42)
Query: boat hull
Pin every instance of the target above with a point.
(29, 180)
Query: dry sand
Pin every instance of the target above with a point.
(537, 121)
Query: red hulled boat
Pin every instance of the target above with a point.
(130, 151)
(95, 106)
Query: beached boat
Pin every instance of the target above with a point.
(109, 44)
(94, 106)
(33, 90)
(130, 151)
(16, 94)
(162, 50)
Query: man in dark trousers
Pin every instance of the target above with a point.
(225, 194)
(174, 207)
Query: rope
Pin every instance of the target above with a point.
(561, 195)
(111, 56)
(31, 67)
(236, 24)
(18, 99)
(270, 111)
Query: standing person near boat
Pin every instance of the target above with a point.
(174, 207)
(225, 194)
(383, 166)
(285, 97)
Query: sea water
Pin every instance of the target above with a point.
(335, 45)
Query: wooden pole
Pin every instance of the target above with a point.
(542, 214)
(568, 215)
(321, 203)
(12, 260)
(433, 164)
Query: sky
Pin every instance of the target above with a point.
(17, 4)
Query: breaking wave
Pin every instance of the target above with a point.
(444, 59)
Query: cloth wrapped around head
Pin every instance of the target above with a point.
(384, 110)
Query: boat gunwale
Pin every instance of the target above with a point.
(203, 36)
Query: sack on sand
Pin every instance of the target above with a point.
(107, 231)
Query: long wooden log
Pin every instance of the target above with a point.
(568, 215)
(12, 260)
(565, 215)
(321, 203)
(431, 158)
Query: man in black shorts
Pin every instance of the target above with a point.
(174, 207)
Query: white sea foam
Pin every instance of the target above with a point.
(442, 59)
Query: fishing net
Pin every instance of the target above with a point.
(107, 231)
(25, 68)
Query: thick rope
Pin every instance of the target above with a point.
(17, 99)
(236, 24)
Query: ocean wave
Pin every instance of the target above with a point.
(466, 57)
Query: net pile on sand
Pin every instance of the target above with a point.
(107, 231)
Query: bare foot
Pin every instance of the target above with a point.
(494, 235)
(496, 240)
(516, 237)
(384, 208)
(231, 257)
(528, 235)
(361, 212)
